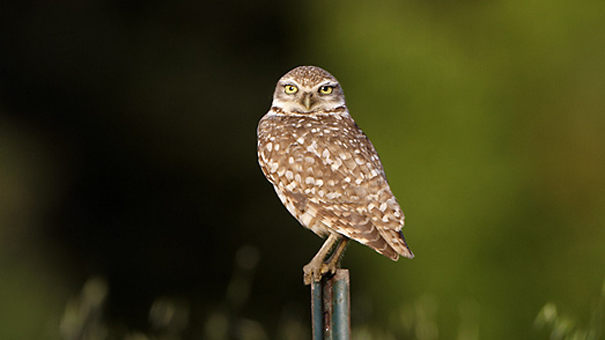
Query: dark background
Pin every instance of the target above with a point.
(129, 182)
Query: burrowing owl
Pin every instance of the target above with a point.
(325, 170)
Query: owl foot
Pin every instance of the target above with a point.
(315, 271)
(318, 267)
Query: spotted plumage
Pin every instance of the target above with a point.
(325, 170)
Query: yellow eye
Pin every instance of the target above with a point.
(290, 89)
(326, 89)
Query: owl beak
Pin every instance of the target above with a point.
(306, 100)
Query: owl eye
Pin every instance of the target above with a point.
(290, 89)
(326, 89)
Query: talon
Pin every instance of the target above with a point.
(328, 269)
(315, 272)
(317, 268)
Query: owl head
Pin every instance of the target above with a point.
(307, 89)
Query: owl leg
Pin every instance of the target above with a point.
(312, 269)
(316, 268)
(334, 261)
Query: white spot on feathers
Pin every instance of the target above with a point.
(333, 195)
(273, 167)
(337, 163)
(291, 186)
(313, 148)
(306, 219)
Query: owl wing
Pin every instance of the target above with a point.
(361, 200)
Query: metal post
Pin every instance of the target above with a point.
(331, 307)
(317, 314)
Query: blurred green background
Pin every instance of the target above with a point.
(132, 206)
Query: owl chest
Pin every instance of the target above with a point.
(312, 160)
(296, 147)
